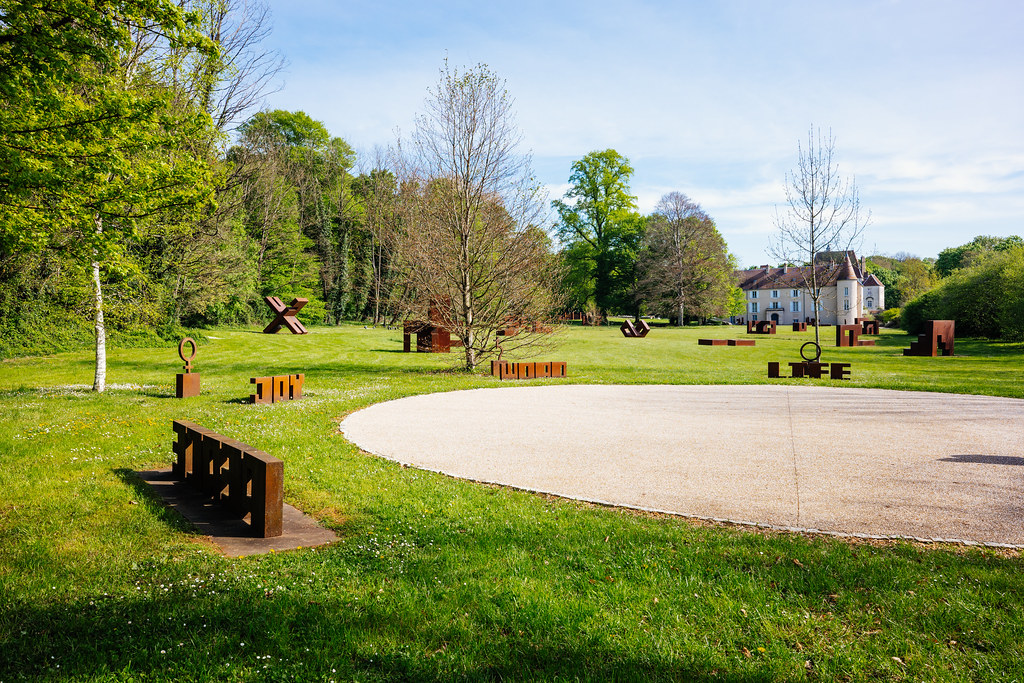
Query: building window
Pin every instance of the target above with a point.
(795, 293)
(775, 294)
(869, 302)
(795, 306)
(753, 294)
(753, 308)
(846, 291)
(753, 318)
(846, 304)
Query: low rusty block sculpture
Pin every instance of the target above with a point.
(726, 342)
(799, 327)
(812, 369)
(285, 315)
(761, 327)
(502, 369)
(741, 342)
(634, 330)
(431, 336)
(938, 337)
(277, 388)
(711, 342)
(187, 383)
(245, 480)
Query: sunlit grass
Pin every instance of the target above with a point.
(438, 579)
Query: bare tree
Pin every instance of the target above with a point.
(821, 217)
(687, 263)
(474, 246)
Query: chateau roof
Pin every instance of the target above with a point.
(872, 281)
(831, 266)
(846, 272)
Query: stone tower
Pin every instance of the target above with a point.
(847, 294)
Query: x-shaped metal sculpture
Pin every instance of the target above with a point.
(634, 330)
(285, 315)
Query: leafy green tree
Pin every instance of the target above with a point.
(599, 227)
(92, 142)
(955, 258)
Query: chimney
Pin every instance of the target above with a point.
(785, 269)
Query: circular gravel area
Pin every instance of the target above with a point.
(869, 462)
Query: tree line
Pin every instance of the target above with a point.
(142, 194)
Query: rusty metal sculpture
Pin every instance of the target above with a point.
(634, 330)
(799, 327)
(726, 342)
(811, 366)
(431, 336)
(243, 479)
(849, 335)
(503, 369)
(761, 327)
(938, 337)
(187, 383)
(277, 388)
(867, 326)
(285, 315)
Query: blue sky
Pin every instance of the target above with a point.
(925, 98)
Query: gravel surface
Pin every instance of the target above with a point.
(870, 462)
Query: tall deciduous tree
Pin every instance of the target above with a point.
(597, 224)
(687, 263)
(822, 214)
(474, 246)
(91, 141)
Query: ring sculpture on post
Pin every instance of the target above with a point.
(187, 383)
(285, 315)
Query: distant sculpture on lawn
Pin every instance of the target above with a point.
(187, 383)
(431, 336)
(634, 330)
(938, 337)
(285, 315)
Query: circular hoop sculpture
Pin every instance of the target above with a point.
(817, 352)
(181, 352)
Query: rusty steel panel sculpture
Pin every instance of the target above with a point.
(246, 481)
(187, 383)
(938, 338)
(799, 327)
(726, 342)
(285, 315)
(634, 330)
(867, 326)
(277, 388)
(849, 335)
(502, 369)
(761, 327)
(431, 336)
(811, 369)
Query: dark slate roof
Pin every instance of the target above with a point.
(846, 271)
(829, 270)
(872, 281)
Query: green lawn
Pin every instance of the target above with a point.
(438, 579)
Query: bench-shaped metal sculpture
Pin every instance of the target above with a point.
(503, 369)
(761, 327)
(277, 388)
(938, 337)
(285, 315)
(849, 335)
(726, 342)
(241, 478)
(634, 330)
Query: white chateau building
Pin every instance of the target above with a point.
(780, 294)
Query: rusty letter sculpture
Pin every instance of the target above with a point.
(634, 330)
(245, 480)
(938, 338)
(187, 383)
(285, 315)
(761, 327)
(277, 388)
(811, 366)
(849, 335)
(502, 369)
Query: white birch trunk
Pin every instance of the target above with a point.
(100, 381)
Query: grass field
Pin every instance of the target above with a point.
(436, 579)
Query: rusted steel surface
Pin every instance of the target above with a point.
(285, 315)
(811, 369)
(277, 388)
(799, 327)
(431, 335)
(246, 481)
(634, 330)
(867, 326)
(741, 342)
(761, 327)
(726, 342)
(938, 338)
(503, 369)
(849, 335)
(186, 384)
